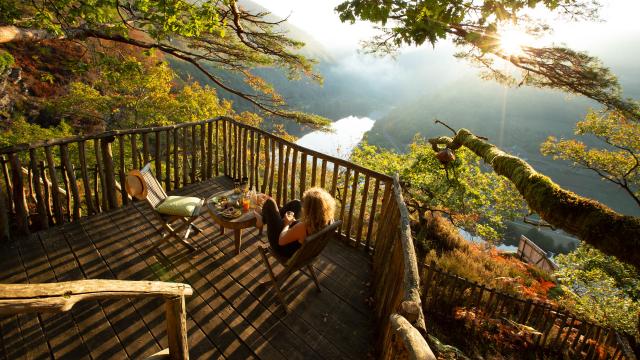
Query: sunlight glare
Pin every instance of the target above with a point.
(512, 40)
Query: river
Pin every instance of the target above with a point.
(345, 135)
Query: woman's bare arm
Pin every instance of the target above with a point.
(291, 234)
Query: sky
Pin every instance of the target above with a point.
(319, 20)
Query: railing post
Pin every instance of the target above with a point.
(68, 168)
(22, 220)
(110, 180)
(177, 328)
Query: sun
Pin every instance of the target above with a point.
(512, 40)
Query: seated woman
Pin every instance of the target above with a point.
(285, 233)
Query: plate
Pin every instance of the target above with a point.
(231, 213)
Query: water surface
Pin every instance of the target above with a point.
(345, 135)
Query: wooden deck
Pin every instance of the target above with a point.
(231, 315)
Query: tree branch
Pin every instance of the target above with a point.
(596, 224)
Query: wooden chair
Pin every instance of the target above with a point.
(141, 184)
(303, 258)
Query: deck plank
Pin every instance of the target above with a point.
(95, 330)
(126, 321)
(24, 333)
(60, 329)
(230, 315)
(200, 346)
(125, 264)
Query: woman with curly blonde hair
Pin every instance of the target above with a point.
(285, 233)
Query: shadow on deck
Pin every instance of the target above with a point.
(230, 315)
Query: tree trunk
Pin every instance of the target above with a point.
(594, 223)
(15, 34)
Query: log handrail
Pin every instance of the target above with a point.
(396, 281)
(410, 338)
(62, 296)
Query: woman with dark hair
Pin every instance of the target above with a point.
(285, 233)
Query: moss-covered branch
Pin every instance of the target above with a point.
(596, 224)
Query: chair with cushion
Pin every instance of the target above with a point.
(142, 185)
(302, 258)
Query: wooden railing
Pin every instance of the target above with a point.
(548, 327)
(396, 284)
(62, 296)
(70, 178)
(66, 179)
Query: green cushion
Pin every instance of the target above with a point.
(180, 206)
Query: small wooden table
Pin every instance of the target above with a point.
(244, 221)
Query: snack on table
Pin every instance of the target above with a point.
(231, 212)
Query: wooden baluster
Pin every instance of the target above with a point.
(363, 209)
(55, 194)
(592, 347)
(30, 191)
(176, 312)
(314, 166)
(236, 148)
(343, 205)
(477, 308)
(526, 313)
(67, 192)
(323, 173)
(176, 158)
(273, 165)
(109, 175)
(5, 233)
(43, 221)
(240, 152)
(145, 148)
(334, 179)
(251, 159)
(122, 171)
(158, 160)
(84, 172)
(553, 314)
(352, 204)
(303, 173)
(581, 329)
(210, 145)
(563, 319)
(203, 154)
(285, 175)
(194, 155)
(9, 186)
(257, 164)
(543, 328)
(22, 216)
(97, 184)
(167, 161)
(245, 139)
(232, 149)
(134, 151)
(216, 166)
(563, 343)
(185, 157)
(64, 152)
(101, 175)
(606, 343)
(280, 170)
(294, 164)
(267, 160)
(224, 148)
(372, 214)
